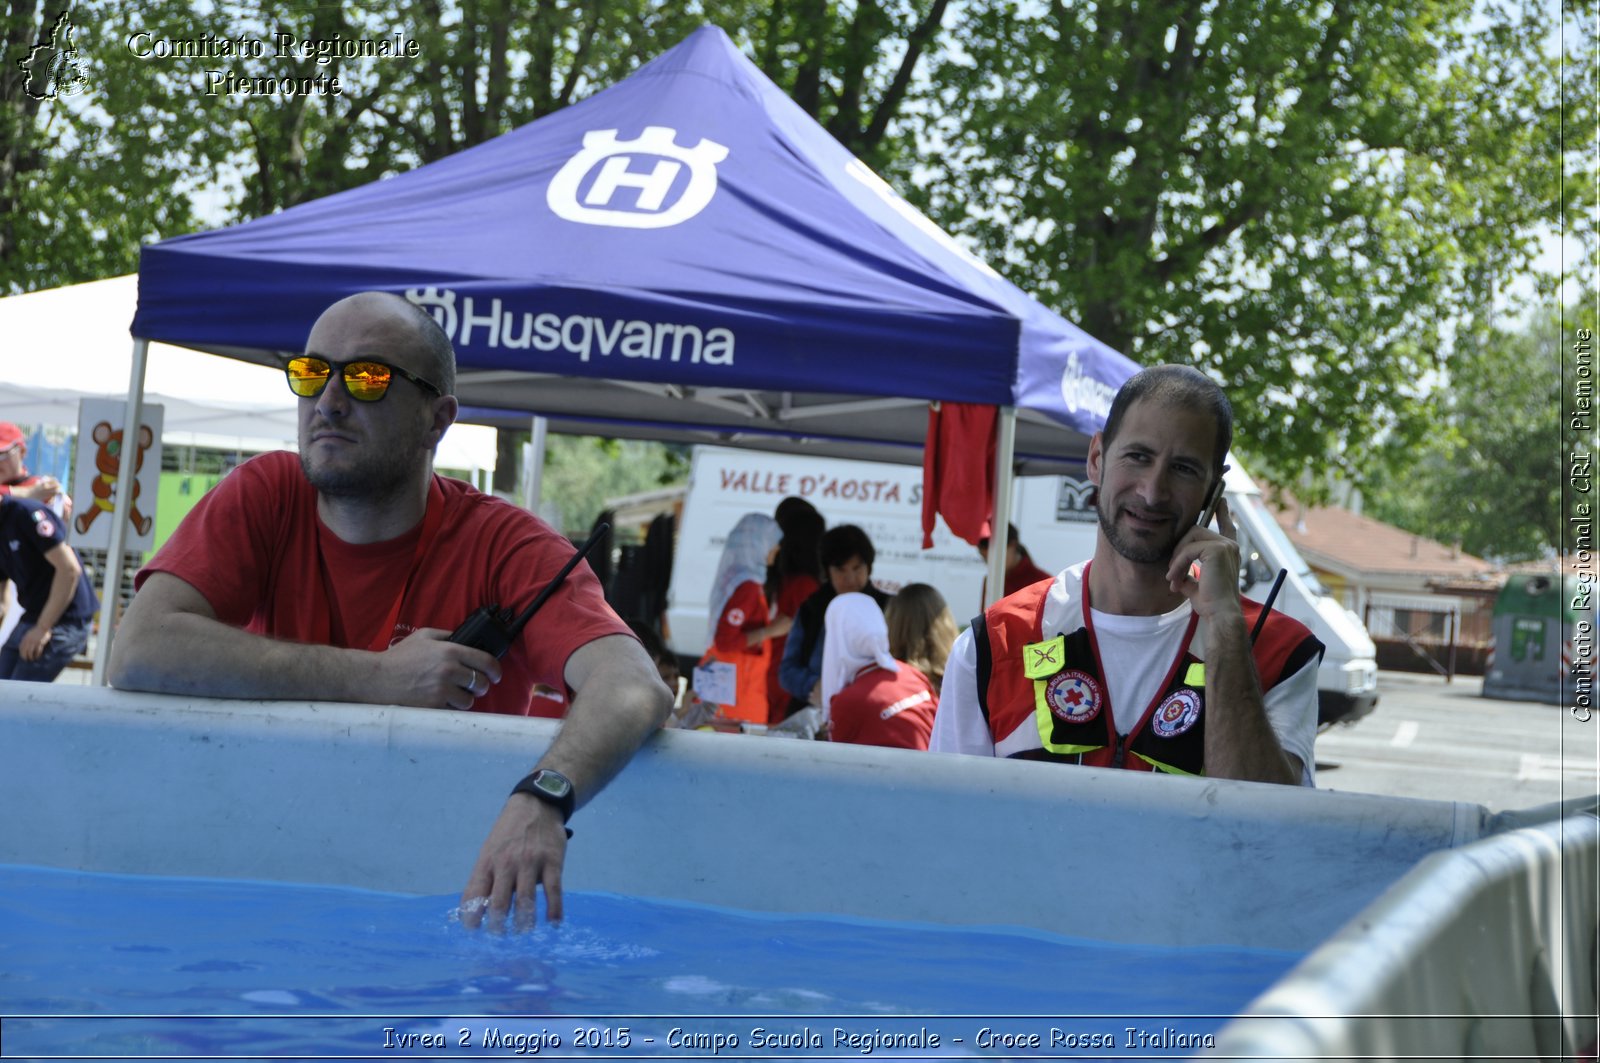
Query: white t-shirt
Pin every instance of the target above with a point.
(1136, 653)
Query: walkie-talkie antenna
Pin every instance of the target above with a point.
(490, 628)
(1277, 585)
(561, 577)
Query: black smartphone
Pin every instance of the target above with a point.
(1212, 500)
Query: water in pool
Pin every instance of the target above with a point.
(136, 967)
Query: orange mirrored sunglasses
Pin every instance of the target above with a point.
(366, 380)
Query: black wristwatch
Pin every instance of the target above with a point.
(551, 787)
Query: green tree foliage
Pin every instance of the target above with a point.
(581, 472)
(1305, 200)
(1488, 474)
(80, 190)
(166, 131)
(1311, 201)
(850, 66)
(480, 68)
(464, 73)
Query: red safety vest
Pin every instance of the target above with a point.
(1057, 687)
(750, 678)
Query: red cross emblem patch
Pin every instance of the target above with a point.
(1074, 696)
(1177, 714)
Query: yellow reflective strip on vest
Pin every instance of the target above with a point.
(1045, 721)
(1195, 676)
(1168, 768)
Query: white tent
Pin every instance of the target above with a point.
(67, 344)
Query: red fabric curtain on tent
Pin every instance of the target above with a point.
(958, 470)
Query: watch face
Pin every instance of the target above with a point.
(552, 784)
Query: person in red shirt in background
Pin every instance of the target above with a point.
(871, 698)
(15, 480)
(740, 624)
(1020, 569)
(794, 577)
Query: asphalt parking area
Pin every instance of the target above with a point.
(1446, 741)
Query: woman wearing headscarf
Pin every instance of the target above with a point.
(871, 698)
(739, 614)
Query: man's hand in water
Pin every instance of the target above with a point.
(618, 701)
(525, 849)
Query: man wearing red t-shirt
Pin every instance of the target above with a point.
(341, 579)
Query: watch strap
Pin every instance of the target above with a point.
(566, 803)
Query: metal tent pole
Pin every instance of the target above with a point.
(1005, 445)
(533, 472)
(128, 467)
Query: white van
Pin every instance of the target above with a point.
(1056, 524)
(884, 500)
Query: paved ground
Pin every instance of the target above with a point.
(1446, 741)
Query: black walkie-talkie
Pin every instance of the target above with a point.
(493, 630)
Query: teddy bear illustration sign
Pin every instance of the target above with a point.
(103, 446)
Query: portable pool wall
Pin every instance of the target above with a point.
(1436, 910)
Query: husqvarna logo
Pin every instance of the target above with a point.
(442, 303)
(1082, 392)
(636, 182)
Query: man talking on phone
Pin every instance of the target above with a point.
(340, 575)
(1144, 657)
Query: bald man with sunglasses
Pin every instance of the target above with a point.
(339, 577)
